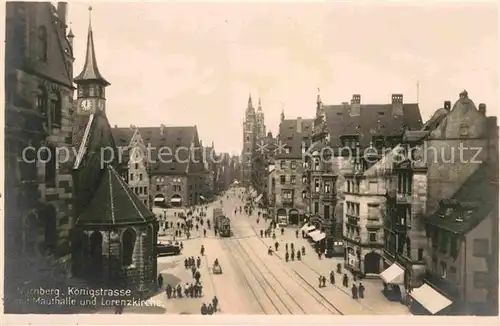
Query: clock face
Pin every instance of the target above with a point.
(86, 105)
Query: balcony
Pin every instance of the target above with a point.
(352, 220)
(330, 196)
(374, 223)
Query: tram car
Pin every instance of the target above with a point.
(221, 223)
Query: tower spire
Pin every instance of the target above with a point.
(90, 70)
(250, 100)
(260, 105)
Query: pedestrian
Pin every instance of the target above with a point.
(181, 245)
(179, 291)
(193, 270)
(178, 225)
(204, 232)
(210, 309)
(180, 233)
(276, 245)
(303, 251)
(361, 290)
(323, 280)
(202, 250)
(274, 235)
(198, 262)
(296, 233)
(286, 246)
(160, 281)
(291, 246)
(332, 277)
(354, 291)
(176, 233)
(261, 233)
(187, 288)
(339, 268)
(168, 291)
(320, 281)
(345, 281)
(197, 276)
(292, 255)
(286, 256)
(303, 234)
(282, 231)
(298, 255)
(186, 263)
(215, 303)
(204, 309)
(319, 254)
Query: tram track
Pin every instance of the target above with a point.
(308, 288)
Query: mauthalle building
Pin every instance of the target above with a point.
(115, 234)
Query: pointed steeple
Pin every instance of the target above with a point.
(250, 105)
(90, 70)
(260, 106)
(318, 98)
(282, 114)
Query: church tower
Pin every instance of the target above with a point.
(249, 130)
(261, 127)
(91, 85)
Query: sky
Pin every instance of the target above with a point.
(184, 64)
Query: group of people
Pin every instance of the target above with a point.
(211, 308)
(358, 292)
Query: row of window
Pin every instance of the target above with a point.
(353, 232)
(140, 177)
(293, 179)
(352, 186)
(175, 188)
(327, 187)
(352, 208)
(293, 164)
(91, 91)
(174, 180)
(140, 190)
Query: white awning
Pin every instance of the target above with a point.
(258, 198)
(202, 198)
(310, 228)
(314, 233)
(430, 299)
(159, 200)
(176, 200)
(393, 275)
(318, 237)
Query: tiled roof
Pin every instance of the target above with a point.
(172, 140)
(475, 199)
(374, 119)
(122, 136)
(114, 203)
(291, 135)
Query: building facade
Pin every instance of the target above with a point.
(134, 158)
(290, 202)
(38, 108)
(341, 136)
(434, 168)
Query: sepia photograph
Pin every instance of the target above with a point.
(331, 158)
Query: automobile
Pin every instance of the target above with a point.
(167, 249)
(336, 251)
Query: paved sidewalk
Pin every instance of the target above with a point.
(311, 267)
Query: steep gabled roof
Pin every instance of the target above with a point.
(123, 136)
(291, 135)
(114, 204)
(373, 120)
(170, 149)
(471, 204)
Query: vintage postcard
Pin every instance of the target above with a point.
(324, 159)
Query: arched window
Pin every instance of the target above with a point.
(55, 109)
(128, 244)
(42, 44)
(41, 101)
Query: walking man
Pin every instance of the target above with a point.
(354, 291)
(345, 281)
(160, 281)
(361, 290)
(332, 277)
(276, 245)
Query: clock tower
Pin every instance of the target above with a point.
(91, 85)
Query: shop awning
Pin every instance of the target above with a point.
(393, 275)
(202, 198)
(430, 299)
(258, 198)
(313, 234)
(159, 200)
(319, 237)
(175, 200)
(310, 228)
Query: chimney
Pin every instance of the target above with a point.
(447, 105)
(62, 12)
(482, 108)
(397, 104)
(356, 105)
(299, 125)
(162, 129)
